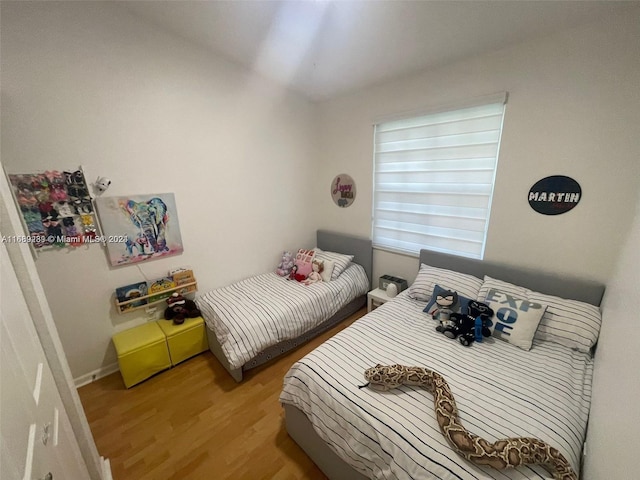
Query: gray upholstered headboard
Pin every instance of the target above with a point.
(359, 247)
(561, 286)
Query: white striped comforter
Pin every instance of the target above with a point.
(258, 312)
(500, 390)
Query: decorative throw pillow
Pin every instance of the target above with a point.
(304, 259)
(427, 278)
(515, 319)
(462, 306)
(571, 323)
(341, 261)
(328, 270)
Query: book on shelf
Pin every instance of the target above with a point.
(162, 287)
(184, 277)
(173, 271)
(130, 292)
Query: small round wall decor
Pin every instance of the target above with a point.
(343, 190)
(554, 195)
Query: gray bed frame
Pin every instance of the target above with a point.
(362, 252)
(300, 428)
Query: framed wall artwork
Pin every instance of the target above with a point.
(138, 228)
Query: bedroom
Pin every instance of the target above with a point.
(100, 87)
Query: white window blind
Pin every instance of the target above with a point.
(433, 180)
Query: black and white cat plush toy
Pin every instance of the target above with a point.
(474, 325)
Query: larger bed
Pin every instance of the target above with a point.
(254, 320)
(501, 390)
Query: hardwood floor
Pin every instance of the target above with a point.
(195, 422)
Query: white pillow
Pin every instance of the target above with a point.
(515, 319)
(341, 261)
(427, 278)
(506, 287)
(327, 271)
(571, 323)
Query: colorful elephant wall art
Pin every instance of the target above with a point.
(142, 227)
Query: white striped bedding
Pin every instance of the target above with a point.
(500, 390)
(258, 312)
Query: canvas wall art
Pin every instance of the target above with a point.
(138, 228)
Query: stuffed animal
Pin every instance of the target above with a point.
(101, 185)
(180, 308)
(443, 313)
(285, 266)
(292, 273)
(472, 326)
(475, 325)
(317, 268)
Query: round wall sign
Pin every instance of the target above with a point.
(554, 195)
(343, 190)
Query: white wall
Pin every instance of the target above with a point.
(573, 110)
(86, 83)
(615, 411)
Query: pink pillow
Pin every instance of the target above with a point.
(304, 261)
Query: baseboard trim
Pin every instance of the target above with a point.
(106, 469)
(95, 375)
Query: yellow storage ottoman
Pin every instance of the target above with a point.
(185, 340)
(142, 352)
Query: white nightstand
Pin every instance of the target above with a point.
(375, 298)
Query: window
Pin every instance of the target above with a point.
(433, 179)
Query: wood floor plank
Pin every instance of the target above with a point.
(195, 422)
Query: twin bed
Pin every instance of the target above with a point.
(501, 390)
(257, 319)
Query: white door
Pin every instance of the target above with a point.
(37, 441)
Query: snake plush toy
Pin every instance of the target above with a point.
(501, 454)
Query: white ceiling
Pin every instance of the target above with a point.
(325, 48)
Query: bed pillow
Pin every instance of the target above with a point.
(341, 261)
(428, 277)
(515, 319)
(493, 283)
(327, 270)
(462, 306)
(571, 323)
